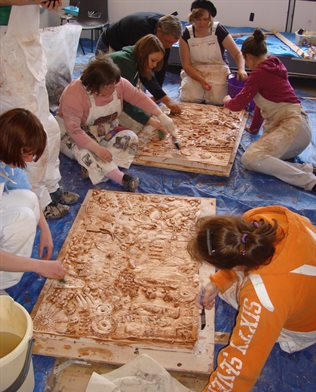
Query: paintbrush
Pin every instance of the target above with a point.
(202, 314)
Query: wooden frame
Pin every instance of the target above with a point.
(196, 359)
(217, 132)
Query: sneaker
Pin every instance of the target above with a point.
(84, 172)
(64, 197)
(55, 211)
(130, 183)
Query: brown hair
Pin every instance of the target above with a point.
(255, 44)
(20, 132)
(228, 241)
(170, 25)
(144, 47)
(196, 14)
(101, 71)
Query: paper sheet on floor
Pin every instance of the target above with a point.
(142, 374)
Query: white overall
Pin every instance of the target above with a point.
(286, 134)
(289, 341)
(19, 215)
(101, 124)
(206, 58)
(22, 84)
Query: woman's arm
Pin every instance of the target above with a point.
(48, 268)
(230, 45)
(187, 65)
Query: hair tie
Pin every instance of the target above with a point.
(244, 238)
(256, 224)
(210, 249)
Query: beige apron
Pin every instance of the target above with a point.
(22, 84)
(206, 57)
(102, 126)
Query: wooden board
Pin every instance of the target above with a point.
(209, 137)
(131, 284)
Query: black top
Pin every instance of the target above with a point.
(128, 31)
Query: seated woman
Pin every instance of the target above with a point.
(203, 58)
(267, 269)
(88, 116)
(22, 140)
(287, 132)
(136, 62)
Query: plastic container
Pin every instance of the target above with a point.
(234, 87)
(16, 331)
(307, 38)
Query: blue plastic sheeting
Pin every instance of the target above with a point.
(234, 195)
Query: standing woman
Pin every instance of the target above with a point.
(287, 132)
(137, 62)
(202, 52)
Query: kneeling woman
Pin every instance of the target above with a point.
(267, 269)
(287, 132)
(88, 116)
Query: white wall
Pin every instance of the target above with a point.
(270, 14)
(304, 15)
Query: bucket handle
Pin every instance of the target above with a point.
(24, 372)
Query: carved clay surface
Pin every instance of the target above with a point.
(208, 135)
(129, 274)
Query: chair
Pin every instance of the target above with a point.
(93, 15)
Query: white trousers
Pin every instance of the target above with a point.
(19, 215)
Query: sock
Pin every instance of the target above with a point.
(116, 175)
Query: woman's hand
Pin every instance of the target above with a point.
(206, 86)
(226, 99)
(210, 292)
(52, 269)
(50, 4)
(242, 74)
(102, 153)
(174, 107)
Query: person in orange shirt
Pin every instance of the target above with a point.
(267, 270)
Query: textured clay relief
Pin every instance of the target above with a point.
(207, 135)
(129, 274)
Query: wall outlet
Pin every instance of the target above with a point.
(251, 16)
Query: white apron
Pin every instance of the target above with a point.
(206, 57)
(102, 125)
(22, 84)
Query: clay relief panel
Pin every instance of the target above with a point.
(208, 135)
(129, 275)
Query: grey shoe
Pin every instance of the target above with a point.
(64, 197)
(130, 183)
(55, 211)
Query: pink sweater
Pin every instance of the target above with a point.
(75, 105)
(270, 79)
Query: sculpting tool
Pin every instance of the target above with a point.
(202, 314)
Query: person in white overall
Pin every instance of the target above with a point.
(202, 52)
(20, 212)
(88, 116)
(22, 84)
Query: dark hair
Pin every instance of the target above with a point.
(228, 241)
(170, 25)
(206, 5)
(144, 47)
(101, 71)
(20, 132)
(255, 44)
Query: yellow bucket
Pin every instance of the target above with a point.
(16, 331)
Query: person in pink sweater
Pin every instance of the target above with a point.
(88, 117)
(286, 129)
